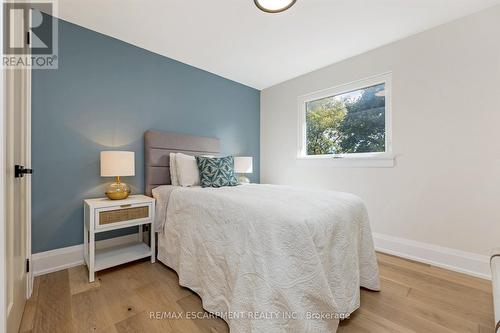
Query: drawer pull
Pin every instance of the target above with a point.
(125, 206)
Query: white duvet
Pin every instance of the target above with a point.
(269, 258)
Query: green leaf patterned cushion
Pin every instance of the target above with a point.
(216, 171)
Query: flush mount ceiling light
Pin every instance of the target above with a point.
(274, 6)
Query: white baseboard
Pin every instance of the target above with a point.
(66, 257)
(455, 260)
(451, 259)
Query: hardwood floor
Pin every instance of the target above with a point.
(414, 298)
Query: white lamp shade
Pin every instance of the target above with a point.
(117, 163)
(243, 164)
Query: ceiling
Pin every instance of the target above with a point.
(235, 40)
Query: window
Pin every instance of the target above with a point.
(352, 120)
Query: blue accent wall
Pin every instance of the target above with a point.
(105, 95)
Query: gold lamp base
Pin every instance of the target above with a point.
(117, 190)
(243, 180)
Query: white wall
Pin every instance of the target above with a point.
(445, 186)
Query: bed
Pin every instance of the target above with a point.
(265, 258)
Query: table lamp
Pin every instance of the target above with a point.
(242, 165)
(117, 164)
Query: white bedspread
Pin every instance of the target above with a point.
(270, 258)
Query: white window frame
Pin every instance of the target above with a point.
(377, 159)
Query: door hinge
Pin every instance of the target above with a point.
(27, 265)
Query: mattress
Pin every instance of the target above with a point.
(269, 258)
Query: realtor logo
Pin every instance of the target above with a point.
(30, 38)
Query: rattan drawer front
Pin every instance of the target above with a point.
(123, 215)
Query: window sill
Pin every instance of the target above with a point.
(374, 161)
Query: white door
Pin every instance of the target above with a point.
(17, 193)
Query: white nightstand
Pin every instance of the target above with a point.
(104, 215)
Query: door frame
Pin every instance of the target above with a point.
(26, 122)
(27, 160)
(3, 254)
(3, 150)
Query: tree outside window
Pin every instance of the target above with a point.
(348, 123)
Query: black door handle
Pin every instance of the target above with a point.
(20, 171)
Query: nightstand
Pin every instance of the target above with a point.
(102, 215)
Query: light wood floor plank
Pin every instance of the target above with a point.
(466, 280)
(374, 323)
(141, 322)
(436, 285)
(28, 319)
(121, 302)
(392, 295)
(466, 301)
(354, 324)
(192, 303)
(415, 297)
(399, 315)
(90, 312)
(169, 277)
(53, 311)
(452, 305)
(79, 281)
(158, 298)
(486, 329)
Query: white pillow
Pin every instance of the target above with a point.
(173, 170)
(187, 170)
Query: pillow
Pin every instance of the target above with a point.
(173, 170)
(187, 170)
(217, 171)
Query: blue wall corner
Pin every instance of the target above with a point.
(105, 95)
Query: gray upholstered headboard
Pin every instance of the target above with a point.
(158, 146)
